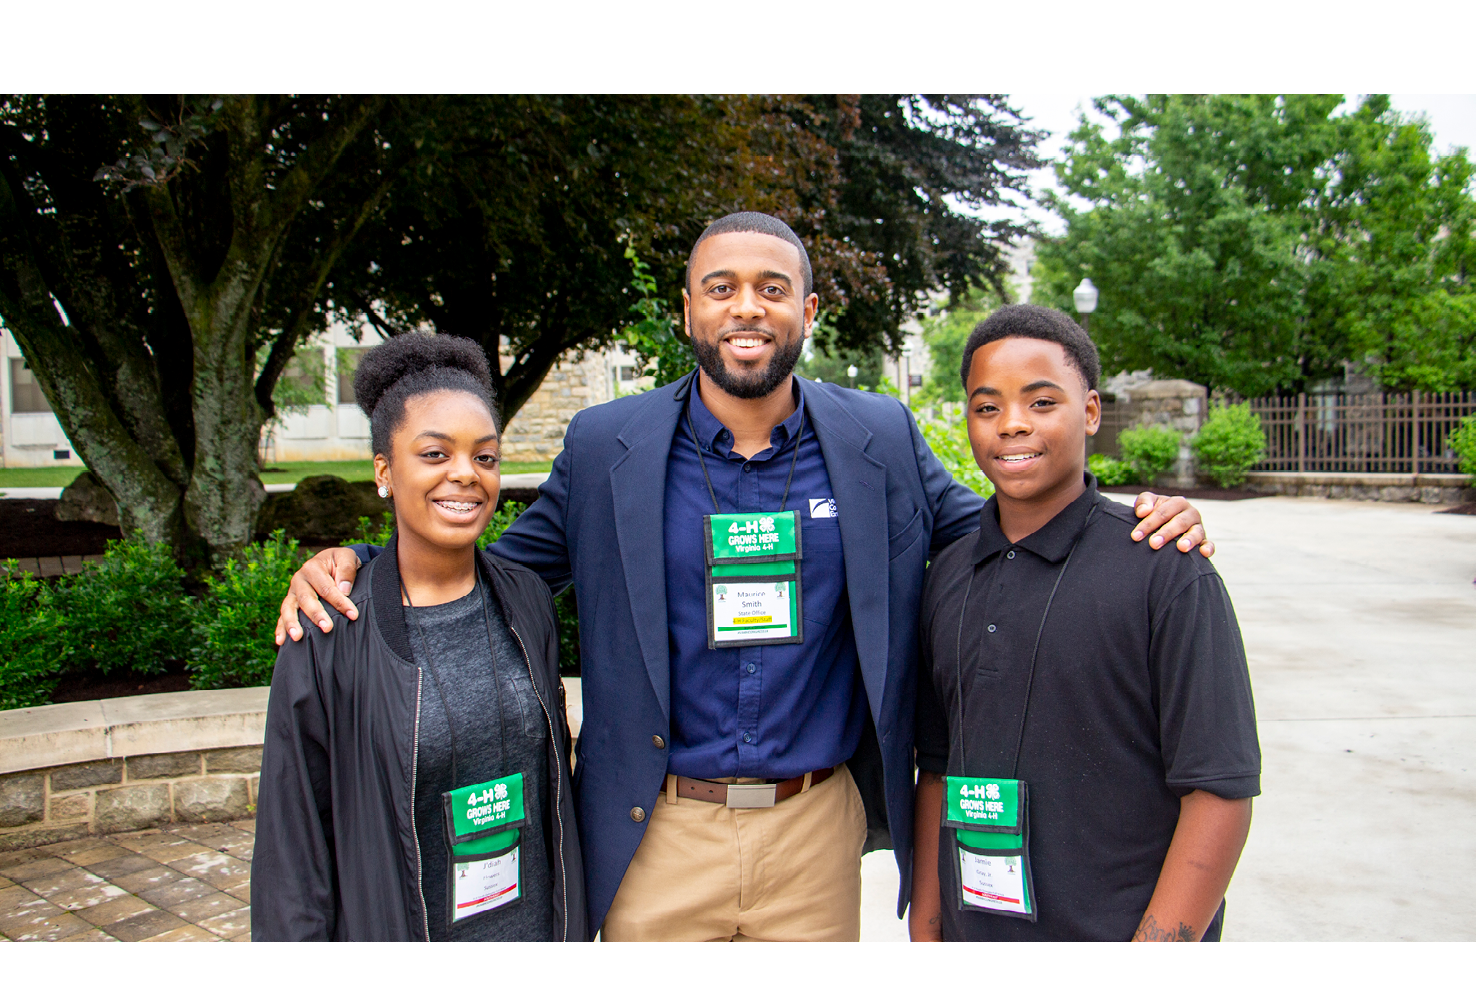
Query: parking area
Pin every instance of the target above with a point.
(1359, 621)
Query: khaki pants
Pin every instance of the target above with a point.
(787, 872)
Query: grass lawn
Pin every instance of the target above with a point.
(38, 478)
(283, 473)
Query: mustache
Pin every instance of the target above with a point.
(745, 330)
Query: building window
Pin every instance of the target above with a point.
(301, 382)
(25, 392)
(628, 374)
(348, 363)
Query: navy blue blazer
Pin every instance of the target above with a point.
(598, 525)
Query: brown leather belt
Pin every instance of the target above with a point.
(744, 795)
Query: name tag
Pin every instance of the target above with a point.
(753, 584)
(484, 835)
(991, 829)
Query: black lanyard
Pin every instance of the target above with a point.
(692, 432)
(1034, 652)
(440, 691)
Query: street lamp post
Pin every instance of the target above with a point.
(851, 372)
(907, 357)
(1085, 297)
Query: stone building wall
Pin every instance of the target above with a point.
(537, 432)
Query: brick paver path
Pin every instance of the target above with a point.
(188, 882)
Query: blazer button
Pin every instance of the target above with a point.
(658, 741)
(637, 814)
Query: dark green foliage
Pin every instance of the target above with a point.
(1229, 444)
(826, 360)
(1110, 471)
(1148, 451)
(31, 647)
(656, 339)
(1462, 441)
(238, 616)
(130, 612)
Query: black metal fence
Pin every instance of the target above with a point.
(1376, 432)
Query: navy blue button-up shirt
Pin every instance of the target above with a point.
(762, 711)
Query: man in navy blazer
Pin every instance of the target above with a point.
(678, 854)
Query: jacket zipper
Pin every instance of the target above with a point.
(558, 779)
(414, 768)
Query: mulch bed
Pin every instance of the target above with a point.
(1198, 492)
(95, 686)
(1464, 509)
(29, 528)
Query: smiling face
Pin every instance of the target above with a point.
(1029, 413)
(443, 471)
(745, 313)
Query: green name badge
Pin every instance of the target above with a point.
(485, 818)
(990, 821)
(753, 583)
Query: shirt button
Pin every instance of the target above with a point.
(748, 737)
(751, 667)
(658, 741)
(991, 628)
(748, 466)
(1011, 555)
(637, 814)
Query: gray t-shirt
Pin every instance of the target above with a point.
(478, 685)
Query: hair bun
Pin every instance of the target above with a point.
(411, 353)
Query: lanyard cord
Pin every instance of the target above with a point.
(1034, 652)
(692, 432)
(441, 692)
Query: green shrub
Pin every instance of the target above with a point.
(1462, 441)
(1110, 471)
(1149, 451)
(1229, 443)
(32, 654)
(128, 612)
(239, 615)
(949, 439)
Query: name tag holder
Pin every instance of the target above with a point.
(753, 579)
(990, 820)
(484, 836)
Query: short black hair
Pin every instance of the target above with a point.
(754, 222)
(411, 365)
(1034, 321)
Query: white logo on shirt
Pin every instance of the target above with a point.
(822, 509)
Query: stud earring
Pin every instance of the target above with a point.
(384, 491)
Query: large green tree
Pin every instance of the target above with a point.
(1259, 243)
(141, 293)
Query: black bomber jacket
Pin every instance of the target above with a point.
(336, 855)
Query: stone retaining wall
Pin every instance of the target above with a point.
(111, 795)
(104, 766)
(1430, 489)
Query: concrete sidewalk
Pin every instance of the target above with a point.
(1359, 621)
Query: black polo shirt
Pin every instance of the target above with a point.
(1140, 696)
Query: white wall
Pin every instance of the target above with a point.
(29, 439)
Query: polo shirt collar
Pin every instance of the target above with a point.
(1052, 542)
(712, 434)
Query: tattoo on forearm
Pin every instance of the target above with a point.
(1150, 931)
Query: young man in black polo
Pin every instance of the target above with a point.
(1086, 740)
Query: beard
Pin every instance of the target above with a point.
(751, 385)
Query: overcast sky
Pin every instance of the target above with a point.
(1452, 119)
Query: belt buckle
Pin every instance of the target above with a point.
(751, 796)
